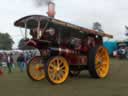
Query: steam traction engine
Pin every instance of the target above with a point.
(64, 49)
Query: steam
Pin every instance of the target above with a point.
(40, 3)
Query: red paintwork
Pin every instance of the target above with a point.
(76, 58)
(73, 56)
(31, 43)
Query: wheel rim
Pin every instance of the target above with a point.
(36, 69)
(102, 62)
(58, 70)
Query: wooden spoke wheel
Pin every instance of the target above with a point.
(35, 69)
(98, 62)
(57, 70)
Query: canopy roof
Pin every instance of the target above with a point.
(32, 21)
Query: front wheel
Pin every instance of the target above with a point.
(35, 68)
(98, 62)
(57, 70)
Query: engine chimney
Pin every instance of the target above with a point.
(51, 9)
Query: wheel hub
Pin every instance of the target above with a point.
(38, 68)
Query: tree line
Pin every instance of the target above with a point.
(6, 42)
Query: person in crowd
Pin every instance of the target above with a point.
(26, 59)
(121, 52)
(1, 64)
(21, 62)
(9, 60)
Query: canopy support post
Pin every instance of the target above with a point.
(25, 31)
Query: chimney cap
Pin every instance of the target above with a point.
(51, 9)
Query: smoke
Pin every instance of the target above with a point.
(40, 3)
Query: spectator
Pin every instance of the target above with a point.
(0, 64)
(9, 60)
(21, 61)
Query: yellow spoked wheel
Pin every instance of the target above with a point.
(57, 70)
(98, 62)
(35, 69)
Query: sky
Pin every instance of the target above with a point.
(112, 14)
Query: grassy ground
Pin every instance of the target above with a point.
(116, 84)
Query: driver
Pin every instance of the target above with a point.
(50, 34)
(35, 33)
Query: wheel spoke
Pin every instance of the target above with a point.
(51, 69)
(97, 57)
(98, 66)
(52, 66)
(58, 76)
(62, 67)
(52, 75)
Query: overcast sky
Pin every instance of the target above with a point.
(112, 14)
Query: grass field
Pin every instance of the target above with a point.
(116, 84)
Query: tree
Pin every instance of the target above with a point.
(6, 41)
(22, 45)
(97, 26)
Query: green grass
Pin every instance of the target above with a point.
(116, 84)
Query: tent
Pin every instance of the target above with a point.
(111, 46)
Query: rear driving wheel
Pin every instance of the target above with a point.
(35, 69)
(57, 70)
(98, 63)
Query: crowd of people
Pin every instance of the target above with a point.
(121, 52)
(10, 61)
